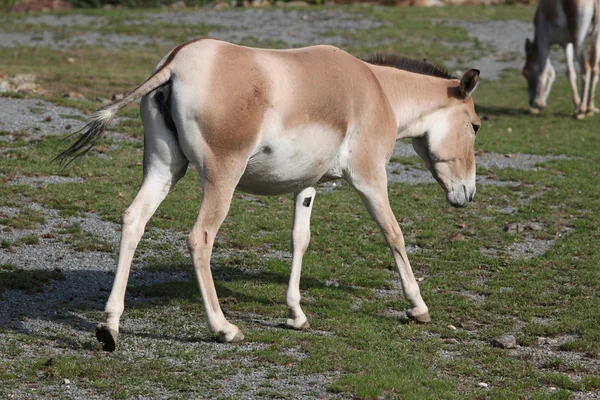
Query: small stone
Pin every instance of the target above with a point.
(505, 342)
(552, 388)
(66, 381)
(48, 119)
(544, 341)
(420, 279)
(74, 95)
(456, 237)
(117, 96)
(70, 60)
(451, 327)
(514, 227)
(509, 130)
(461, 226)
(482, 385)
(20, 83)
(534, 226)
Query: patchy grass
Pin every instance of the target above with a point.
(28, 281)
(84, 241)
(359, 345)
(27, 218)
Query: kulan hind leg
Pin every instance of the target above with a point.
(303, 203)
(164, 165)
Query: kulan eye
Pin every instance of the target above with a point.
(476, 128)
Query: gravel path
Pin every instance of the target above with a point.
(293, 27)
(36, 118)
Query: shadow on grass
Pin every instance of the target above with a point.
(60, 304)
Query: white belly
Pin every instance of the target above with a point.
(292, 160)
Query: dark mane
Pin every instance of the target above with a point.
(420, 67)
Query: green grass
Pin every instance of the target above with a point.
(356, 336)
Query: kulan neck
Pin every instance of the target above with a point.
(413, 96)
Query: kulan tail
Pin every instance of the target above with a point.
(101, 119)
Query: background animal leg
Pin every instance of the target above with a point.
(595, 62)
(303, 203)
(586, 75)
(216, 200)
(375, 197)
(571, 74)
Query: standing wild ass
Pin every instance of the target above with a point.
(569, 23)
(280, 121)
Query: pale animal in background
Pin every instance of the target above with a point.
(570, 23)
(280, 121)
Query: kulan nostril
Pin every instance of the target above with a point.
(464, 187)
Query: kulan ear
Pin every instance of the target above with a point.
(469, 82)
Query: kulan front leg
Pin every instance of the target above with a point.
(303, 203)
(374, 196)
(419, 311)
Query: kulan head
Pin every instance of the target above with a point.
(447, 147)
(540, 76)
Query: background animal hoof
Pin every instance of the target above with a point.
(579, 116)
(420, 318)
(107, 336)
(534, 110)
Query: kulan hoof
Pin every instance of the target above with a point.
(107, 336)
(534, 110)
(224, 337)
(419, 318)
(290, 323)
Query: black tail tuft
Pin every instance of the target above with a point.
(90, 134)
